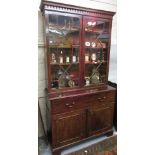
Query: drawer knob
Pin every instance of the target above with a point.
(67, 104)
(101, 98)
(70, 105)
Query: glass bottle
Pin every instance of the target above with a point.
(67, 59)
(74, 58)
(86, 57)
(61, 57)
(53, 58)
(93, 57)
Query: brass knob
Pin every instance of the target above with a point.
(73, 103)
(67, 104)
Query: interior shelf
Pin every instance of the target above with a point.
(95, 63)
(64, 46)
(65, 64)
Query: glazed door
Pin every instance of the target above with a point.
(64, 34)
(100, 119)
(96, 45)
(69, 127)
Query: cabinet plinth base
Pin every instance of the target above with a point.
(57, 151)
(109, 134)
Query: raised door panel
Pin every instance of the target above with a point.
(68, 128)
(100, 119)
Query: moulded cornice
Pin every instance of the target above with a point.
(53, 6)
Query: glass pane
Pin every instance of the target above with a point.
(64, 38)
(63, 30)
(96, 34)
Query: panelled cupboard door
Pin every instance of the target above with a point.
(68, 127)
(100, 119)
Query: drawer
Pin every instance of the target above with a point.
(102, 98)
(67, 105)
(103, 104)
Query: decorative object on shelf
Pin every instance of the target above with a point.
(93, 57)
(95, 79)
(103, 45)
(91, 24)
(93, 44)
(71, 83)
(61, 58)
(67, 59)
(99, 45)
(86, 29)
(62, 80)
(99, 54)
(74, 76)
(60, 72)
(54, 84)
(87, 57)
(87, 43)
(53, 58)
(74, 59)
(87, 79)
(50, 41)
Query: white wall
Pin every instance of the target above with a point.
(109, 5)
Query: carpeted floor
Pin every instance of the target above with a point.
(99, 146)
(105, 147)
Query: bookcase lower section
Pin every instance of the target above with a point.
(77, 118)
